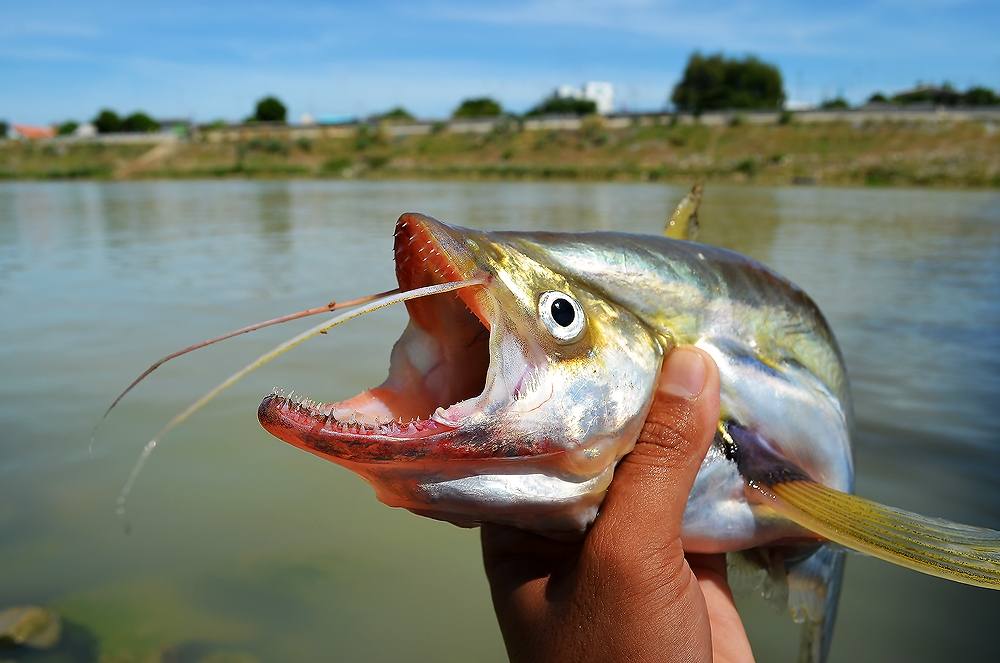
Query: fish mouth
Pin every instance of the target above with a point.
(438, 368)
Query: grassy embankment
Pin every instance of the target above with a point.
(963, 154)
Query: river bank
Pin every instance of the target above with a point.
(944, 154)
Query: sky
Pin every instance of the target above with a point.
(212, 60)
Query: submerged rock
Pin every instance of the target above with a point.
(29, 626)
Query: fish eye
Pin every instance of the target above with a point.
(562, 316)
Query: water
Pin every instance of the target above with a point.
(244, 546)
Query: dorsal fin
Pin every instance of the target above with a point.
(683, 222)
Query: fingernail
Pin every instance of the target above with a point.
(684, 374)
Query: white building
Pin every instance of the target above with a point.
(600, 92)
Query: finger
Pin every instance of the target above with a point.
(651, 484)
(518, 565)
(729, 638)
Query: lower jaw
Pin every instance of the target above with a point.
(317, 432)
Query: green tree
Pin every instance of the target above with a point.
(554, 105)
(3, 129)
(945, 95)
(980, 96)
(396, 114)
(478, 107)
(140, 122)
(67, 128)
(837, 103)
(270, 109)
(878, 98)
(715, 82)
(108, 122)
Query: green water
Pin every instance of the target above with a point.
(244, 546)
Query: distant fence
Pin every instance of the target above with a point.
(243, 132)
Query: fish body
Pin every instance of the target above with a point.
(558, 415)
(512, 401)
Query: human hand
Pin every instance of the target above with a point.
(626, 592)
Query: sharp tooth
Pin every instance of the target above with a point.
(411, 428)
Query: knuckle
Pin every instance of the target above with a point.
(667, 435)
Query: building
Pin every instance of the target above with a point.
(601, 93)
(29, 132)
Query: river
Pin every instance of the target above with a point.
(242, 546)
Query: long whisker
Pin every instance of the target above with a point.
(277, 351)
(332, 306)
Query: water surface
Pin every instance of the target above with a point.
(243, 545)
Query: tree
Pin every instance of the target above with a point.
(878, 98)
(980, 96)
(139, 122)
(107, 122)
(396, 114)
(67, 128)
(3, 129)
(837, 103)
(555, 105)
(478, 107)
(946, 95)
(270, 109)
(715, 82)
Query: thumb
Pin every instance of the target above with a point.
(651, 484)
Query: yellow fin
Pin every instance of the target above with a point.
(683, 223)
(962, 553)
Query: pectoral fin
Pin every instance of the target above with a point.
(962, 553)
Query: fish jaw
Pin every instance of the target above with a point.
(483, 418)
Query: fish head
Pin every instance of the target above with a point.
(506, 402)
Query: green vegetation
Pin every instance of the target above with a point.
(554, 105)
(270, 109)
(888, 153)
(3, 129)
(139, 122)
(837, 103)
(67, 128)
(946, 95)
(980, 96)
(396, 114)
(878, 98)
(109, 122)
(478, 107)
(715, 82)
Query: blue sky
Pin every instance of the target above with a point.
(206, 60)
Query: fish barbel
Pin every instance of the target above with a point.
(527, 369)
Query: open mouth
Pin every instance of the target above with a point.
(437, 374)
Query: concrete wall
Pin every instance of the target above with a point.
(562, 123)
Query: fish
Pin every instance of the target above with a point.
(528, 365)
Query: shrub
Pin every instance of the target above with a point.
(715, 82)
(554, 105)
(270, 109)
(478, 107)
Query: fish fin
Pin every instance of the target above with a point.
(683, 222)
(807, 585)
(813, 594)
(962, 553)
